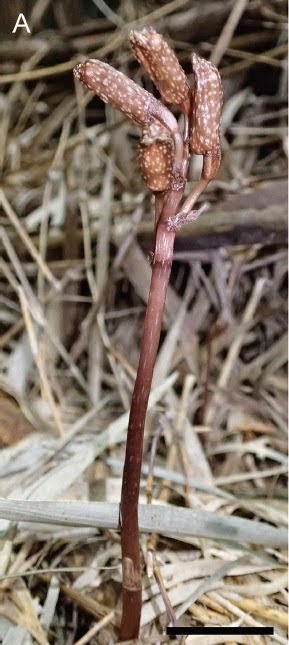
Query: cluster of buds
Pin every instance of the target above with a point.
(161, 151)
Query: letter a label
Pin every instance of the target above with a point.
(21, 22)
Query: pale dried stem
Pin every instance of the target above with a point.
(46, 388)
(15, 221)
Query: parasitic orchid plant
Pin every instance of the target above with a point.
(163, 157)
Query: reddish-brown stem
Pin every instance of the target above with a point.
(159, 204)
(161, 269)
(194, 195)
(186, 214)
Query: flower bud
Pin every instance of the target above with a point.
(160, 62)
(115, 88)
(121, 92)
(156, 157)
(205, 115)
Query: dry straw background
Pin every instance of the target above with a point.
(75, 229)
